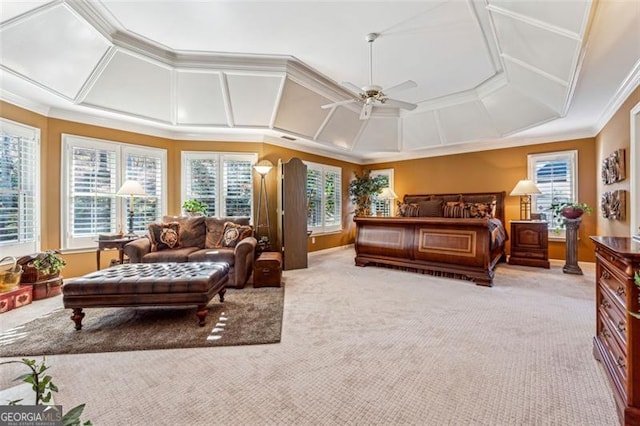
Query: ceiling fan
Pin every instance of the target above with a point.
(373, 95)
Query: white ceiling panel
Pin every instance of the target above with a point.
(379, 134)
(11, 9)
(134, 85)
(420, 131)
(54, 48)
(512, 111)
(341, 128)
(299, 110)
(567, 14)
(253, 98)
(466, 122)
(545, 50)
(549, 92)
(199, 98)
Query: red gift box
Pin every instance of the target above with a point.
(15, 298)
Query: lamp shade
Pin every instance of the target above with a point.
(387, 194)
(130, 188)
(263, 167)
(525, 187)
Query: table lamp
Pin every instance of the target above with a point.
(388, 195)
(131, 188)
(525, 188)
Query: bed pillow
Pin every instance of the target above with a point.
(480, 210)
(431, 208)
(408, 210)
(233, 233)
(455, 210)
(164, 236)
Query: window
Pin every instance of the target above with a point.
(383, 207)
(324, 198)
(19, 189)
(556, 176)
(222, 181)
(94, 170)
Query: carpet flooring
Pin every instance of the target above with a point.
(371, 346)
(247, 317)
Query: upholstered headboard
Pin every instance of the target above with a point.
(470, 197)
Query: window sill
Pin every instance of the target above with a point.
(322, 234)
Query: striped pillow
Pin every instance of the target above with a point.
(455, 210)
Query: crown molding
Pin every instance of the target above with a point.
(25, 103)
(628, 85)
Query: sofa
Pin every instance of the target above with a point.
(199, 239)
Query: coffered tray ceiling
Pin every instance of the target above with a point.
(489, 73)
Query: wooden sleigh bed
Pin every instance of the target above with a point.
(461, 248)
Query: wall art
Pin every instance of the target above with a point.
(613, 204)
(613, 167)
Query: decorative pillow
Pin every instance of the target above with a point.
(233, 233)
(408, 209)
(164, 236)
(456, 210)
(214, 227)
(480, 210)
(431, 208)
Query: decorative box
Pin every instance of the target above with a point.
(15, 298)
(267, 271)
(47, 288)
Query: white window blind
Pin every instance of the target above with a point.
(383, 207)
(93, 172)
(222, 181)
(555, 174)
(19, 189)
(324, 198)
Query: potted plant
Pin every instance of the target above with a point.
(363, 189)
(636, 280)
(194, 208)
(568, 210)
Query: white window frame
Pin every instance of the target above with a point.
(389, 174)
(69, 243)
(532, 159)
(326, 229)
(32, 133)
(219, 157)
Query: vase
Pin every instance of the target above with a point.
(572, 212)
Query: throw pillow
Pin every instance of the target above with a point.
(164, 236)
(431, 208)
(480, 210)
(233, 233)
(214, 227)
(456, 210)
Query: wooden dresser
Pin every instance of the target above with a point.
(617, 340)
(529, 243)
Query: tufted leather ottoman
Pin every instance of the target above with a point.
(147, 284)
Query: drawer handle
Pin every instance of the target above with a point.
(605, 304)
(622, 326)
(620, 290)
(605, 275)
(620, 363)
(605, 333)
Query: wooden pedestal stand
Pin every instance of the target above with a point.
(571, 265)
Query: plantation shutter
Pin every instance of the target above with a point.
(333, 201)
(19, 160)
(314, 198)
(237, 187)
(93, 185)
(555, 175)
(201, 182)
(147, 170)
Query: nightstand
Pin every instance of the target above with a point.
(529, 243)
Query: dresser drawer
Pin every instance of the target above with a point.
(612, 316)
(613, 285)
(617, 357)
(531, 254)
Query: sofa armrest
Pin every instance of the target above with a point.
(137, 248)
(244, 257)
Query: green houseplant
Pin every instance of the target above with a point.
(636, 280)
(362, 189)
(568, 210)
(49, 262)
(194, 207)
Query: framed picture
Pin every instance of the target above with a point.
(613, 167)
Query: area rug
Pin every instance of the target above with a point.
(247, 317)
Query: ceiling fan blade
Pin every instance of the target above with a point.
(366, 111)
(351, 87)
(400, 104)
(409, 84)
(335, 104)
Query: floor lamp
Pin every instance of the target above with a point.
(263, 167)
(525, 188)
(131, 188)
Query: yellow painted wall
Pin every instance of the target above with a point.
(499, 170)
(615, 135)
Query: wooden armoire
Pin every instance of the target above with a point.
(292, 213)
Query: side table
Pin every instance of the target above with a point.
(529, 243)
(117, 244)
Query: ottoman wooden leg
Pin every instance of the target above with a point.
(77, 317)
(202, 314)
(221, 294)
